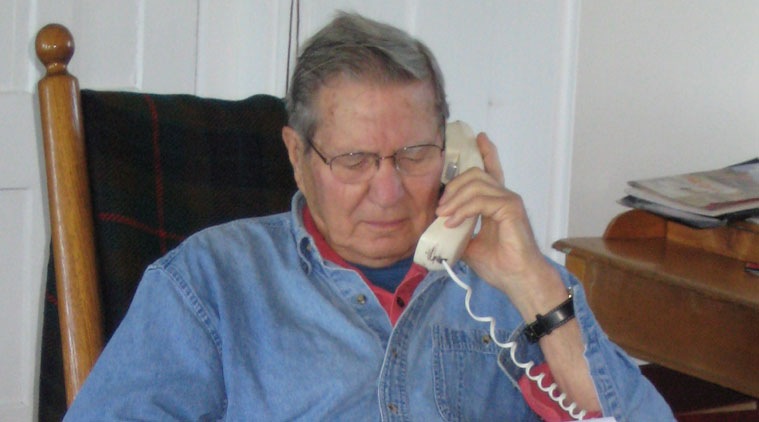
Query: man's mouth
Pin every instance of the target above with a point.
(385, 224)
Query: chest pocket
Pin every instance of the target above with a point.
(469, 384)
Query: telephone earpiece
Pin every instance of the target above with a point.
(439, 242)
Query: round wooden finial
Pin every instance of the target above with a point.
(55, 47)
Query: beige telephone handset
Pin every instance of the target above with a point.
(439, 242)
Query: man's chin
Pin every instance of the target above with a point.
(377, 256)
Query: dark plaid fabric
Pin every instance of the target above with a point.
(162, 167)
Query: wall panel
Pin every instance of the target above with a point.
(22, 255)
(14, 48)
(242, 49)
(14, 345)
(107, 44)
(168, 59)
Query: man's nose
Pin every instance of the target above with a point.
(386, 187)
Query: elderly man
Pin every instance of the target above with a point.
(320, 313)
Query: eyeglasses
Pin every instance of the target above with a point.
(357, 167)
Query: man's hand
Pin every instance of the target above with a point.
(504, 252)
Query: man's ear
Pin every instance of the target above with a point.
(294, 152)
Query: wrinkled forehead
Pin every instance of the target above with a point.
(347, 97)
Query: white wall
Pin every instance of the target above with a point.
(22, 216)
(663, 87)
(508, 64)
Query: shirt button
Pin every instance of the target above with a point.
(361, 299)
(393, 408)
(399, 300)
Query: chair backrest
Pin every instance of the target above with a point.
(130, 175)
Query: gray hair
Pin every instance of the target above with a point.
(362, 49)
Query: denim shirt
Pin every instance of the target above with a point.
(246, 321)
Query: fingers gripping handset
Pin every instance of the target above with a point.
(440, 243)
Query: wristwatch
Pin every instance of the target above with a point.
(553, 319)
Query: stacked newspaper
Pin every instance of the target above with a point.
(702, 199)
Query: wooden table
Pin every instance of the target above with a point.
(676, 296)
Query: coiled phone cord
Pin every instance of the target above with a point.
(537, 379)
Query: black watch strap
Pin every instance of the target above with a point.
(553, 319)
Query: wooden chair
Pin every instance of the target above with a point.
(129, 176)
